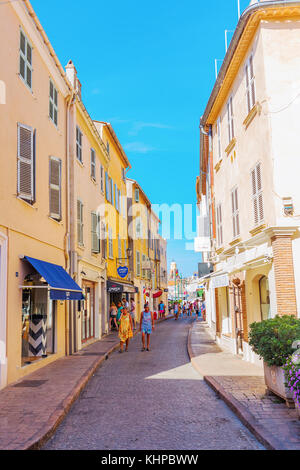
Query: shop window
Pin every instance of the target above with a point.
(264, 293)
(38, 325)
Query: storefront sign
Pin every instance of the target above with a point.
(122, 271)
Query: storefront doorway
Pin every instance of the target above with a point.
(38, 324)
(238, 316)
(88, 316)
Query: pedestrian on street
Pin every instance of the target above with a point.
(146, 326)
(132, 312)
(161, 309)
(113, 315)
(120, 307)
(125, 330)
(176, 311)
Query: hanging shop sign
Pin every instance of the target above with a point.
(122, 271)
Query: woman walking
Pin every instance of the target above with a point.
(113, 315)
(125, 330)
(146, 326)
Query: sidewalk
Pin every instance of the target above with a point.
(32, 408)
(241, 385)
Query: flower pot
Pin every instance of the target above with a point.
(275, 382)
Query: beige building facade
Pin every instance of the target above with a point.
(33, 194)
(249, 146)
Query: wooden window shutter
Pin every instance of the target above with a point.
(235, 213)
(55, 188)
(103, 240)
(26, 163)
(101, 178)
(106, 186)
(80, 222)
(95, 233)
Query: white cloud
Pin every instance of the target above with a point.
(138, 147)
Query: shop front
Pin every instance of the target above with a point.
(45, 286)
(116, 291)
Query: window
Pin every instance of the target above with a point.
(53, 103)
(137, 195)
(235, 213)
(264, 293)
(123, 174)
(93, 164)
(110, 243)
(230, 119)
(143, 270)
(111, 191)
(103, 240)
(95, 232)
(55, 188)
(26, 163)
(250, 85)
(25, 60)
(138, 264)
(79, 144)
(257, 195)
(102, 179)
(138, 228)
(107, 148)
(107, 186)
(79, 222)
(219, 138)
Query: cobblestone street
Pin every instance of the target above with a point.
(151, 400)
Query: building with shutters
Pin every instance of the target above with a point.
(88, 164)
(139, 233)
(248, 182)
(33, 198)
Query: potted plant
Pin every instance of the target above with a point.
(272, 340)
(292, 377)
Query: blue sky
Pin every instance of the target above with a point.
(148, 68)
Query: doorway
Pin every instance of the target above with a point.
(238, 316)
(88, 317)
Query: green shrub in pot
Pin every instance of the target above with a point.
(272, 339)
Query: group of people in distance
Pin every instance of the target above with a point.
(187, 309)
(123, 317)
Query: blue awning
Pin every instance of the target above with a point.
(62, 286)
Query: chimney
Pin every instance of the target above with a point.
(71, 73)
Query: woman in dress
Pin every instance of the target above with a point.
(125, 329)
(146, 326)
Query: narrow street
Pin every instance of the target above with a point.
(151, 400)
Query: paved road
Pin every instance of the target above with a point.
(151, 400)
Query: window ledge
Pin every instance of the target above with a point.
(253, 112)
(81, 246)
(218, 165)
(220, 250)
(258, 229)
(79, 163)
(33, 206)
(230, 146)
(59, 222)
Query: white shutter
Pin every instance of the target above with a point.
(257, 195)
(95, 232)
(25, 163)
(235, 213)
(250, 85)
(55, 188)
